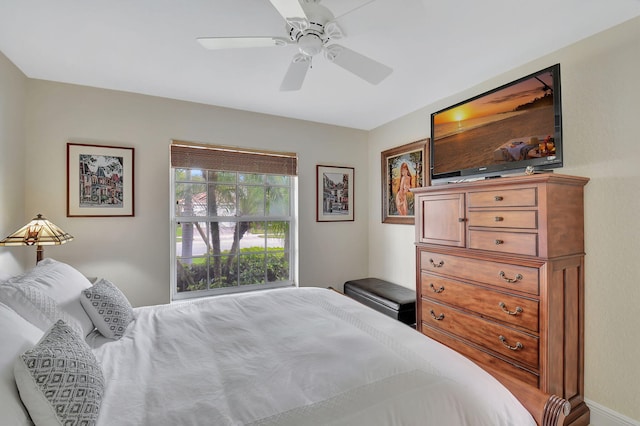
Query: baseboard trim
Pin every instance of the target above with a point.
(603, 416)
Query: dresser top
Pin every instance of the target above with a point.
(516, 179)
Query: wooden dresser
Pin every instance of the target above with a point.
(500, 277)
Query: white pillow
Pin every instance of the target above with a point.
(63, 284)
(59, 380)
(35, 306)
(108, 308)
(17, 335)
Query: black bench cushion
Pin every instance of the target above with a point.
(389, 298)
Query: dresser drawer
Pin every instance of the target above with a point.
(524, 197)
(503, 275)
(503, 307)
(506, 341)
(524, 219)
(504, 242)
(482, 357)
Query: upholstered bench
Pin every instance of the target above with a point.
(391, 299)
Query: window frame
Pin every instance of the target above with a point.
(175, 221)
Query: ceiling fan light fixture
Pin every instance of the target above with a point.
(310, 44)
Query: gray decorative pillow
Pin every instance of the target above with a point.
(108, 308)
(59, 380)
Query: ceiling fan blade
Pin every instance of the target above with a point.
(291, 10)
(240, 42)
(296, 73)
(366, 68)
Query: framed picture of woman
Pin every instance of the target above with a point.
(403, 168)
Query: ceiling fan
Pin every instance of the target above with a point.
(311, 27)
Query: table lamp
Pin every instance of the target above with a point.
(39, 232)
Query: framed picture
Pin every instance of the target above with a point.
(99, 180)
(334, 194)
(403, 168)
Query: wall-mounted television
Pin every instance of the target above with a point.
(500, 131)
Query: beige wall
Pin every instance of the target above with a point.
(601, 118)
(13, 86)
(134, 252)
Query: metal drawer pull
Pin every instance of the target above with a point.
(518, 310)
(498, 242)
(437, 265)
(498, 198)
(498, 219)
(436, 290)
(462, 219)
(510, 280)
(517, 347)
(437, 318)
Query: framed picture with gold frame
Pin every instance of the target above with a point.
(403, 168)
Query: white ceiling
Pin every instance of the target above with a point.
(436, 48)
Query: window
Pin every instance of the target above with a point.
(233, 219)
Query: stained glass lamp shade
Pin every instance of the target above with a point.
(39, 232)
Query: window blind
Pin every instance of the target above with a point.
(217, 157)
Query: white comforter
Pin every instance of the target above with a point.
(296, 357)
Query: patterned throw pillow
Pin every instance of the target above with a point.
(108, 308)
(59, 380)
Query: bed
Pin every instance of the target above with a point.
(293, 356)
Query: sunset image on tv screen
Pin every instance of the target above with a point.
(510, 124)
